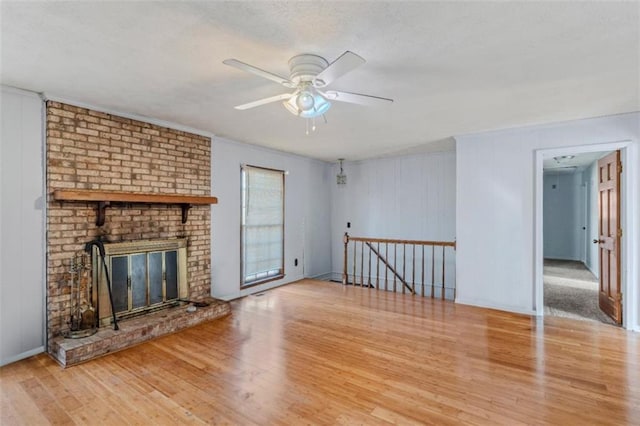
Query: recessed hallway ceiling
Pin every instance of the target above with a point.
(451, 67)
(571, 163)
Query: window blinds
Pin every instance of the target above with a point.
(262, 224)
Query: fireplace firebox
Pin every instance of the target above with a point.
(145, 276)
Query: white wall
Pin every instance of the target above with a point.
(408, 197)
(564, 209)
(307, 219)
(590, 179)
(496, 213)
(22, 255)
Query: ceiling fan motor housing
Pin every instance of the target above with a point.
(305, 67)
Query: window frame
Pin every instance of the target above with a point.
(243, 284)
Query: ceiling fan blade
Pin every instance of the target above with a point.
(265, 101)
(348, 61)
(354, 98)
(257, 71)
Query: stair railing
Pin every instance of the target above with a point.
(382, 263)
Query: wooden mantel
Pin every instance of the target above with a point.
(105, 198)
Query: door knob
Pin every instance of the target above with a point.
(598, 241)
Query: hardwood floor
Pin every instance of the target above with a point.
(320, 353)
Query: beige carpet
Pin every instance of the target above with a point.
(571, 291)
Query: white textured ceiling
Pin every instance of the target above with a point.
(451, 67)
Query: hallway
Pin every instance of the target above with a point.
(571, 291)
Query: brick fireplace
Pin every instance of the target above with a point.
(92, 150)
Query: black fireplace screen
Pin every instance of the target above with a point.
(143, 280)
(145, 275)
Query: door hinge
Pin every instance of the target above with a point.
(619, 168)
(619, 232)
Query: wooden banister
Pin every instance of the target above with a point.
(408, 242)
(105, 198)
(395, 259)
(391, 268)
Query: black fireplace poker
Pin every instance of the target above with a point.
(100, 245)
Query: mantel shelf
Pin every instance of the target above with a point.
(105, 198)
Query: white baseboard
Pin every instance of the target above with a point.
(327, 276)
(258, 288)
(499, 307)
(22, 355)
(336, 276)
(227, 298)
(591, 270)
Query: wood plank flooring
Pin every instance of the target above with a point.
(320, 353)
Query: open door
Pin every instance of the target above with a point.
(610, 297)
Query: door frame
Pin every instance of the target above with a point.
(630, 247)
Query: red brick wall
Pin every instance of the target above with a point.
(93, 150)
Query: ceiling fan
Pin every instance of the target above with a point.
(309, 76)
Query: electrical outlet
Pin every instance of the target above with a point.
(348, 224)
(295, 262)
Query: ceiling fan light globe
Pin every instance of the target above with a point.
(291, 106)
(305, 101)
(321, 106)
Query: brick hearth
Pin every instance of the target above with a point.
(69, 352)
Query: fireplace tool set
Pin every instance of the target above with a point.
(83, 319)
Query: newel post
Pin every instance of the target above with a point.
(345, 239)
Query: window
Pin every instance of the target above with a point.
(262, 225)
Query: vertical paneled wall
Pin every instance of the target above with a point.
(408, 197)
(21, 226)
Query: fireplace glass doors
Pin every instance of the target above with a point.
(145, 276)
